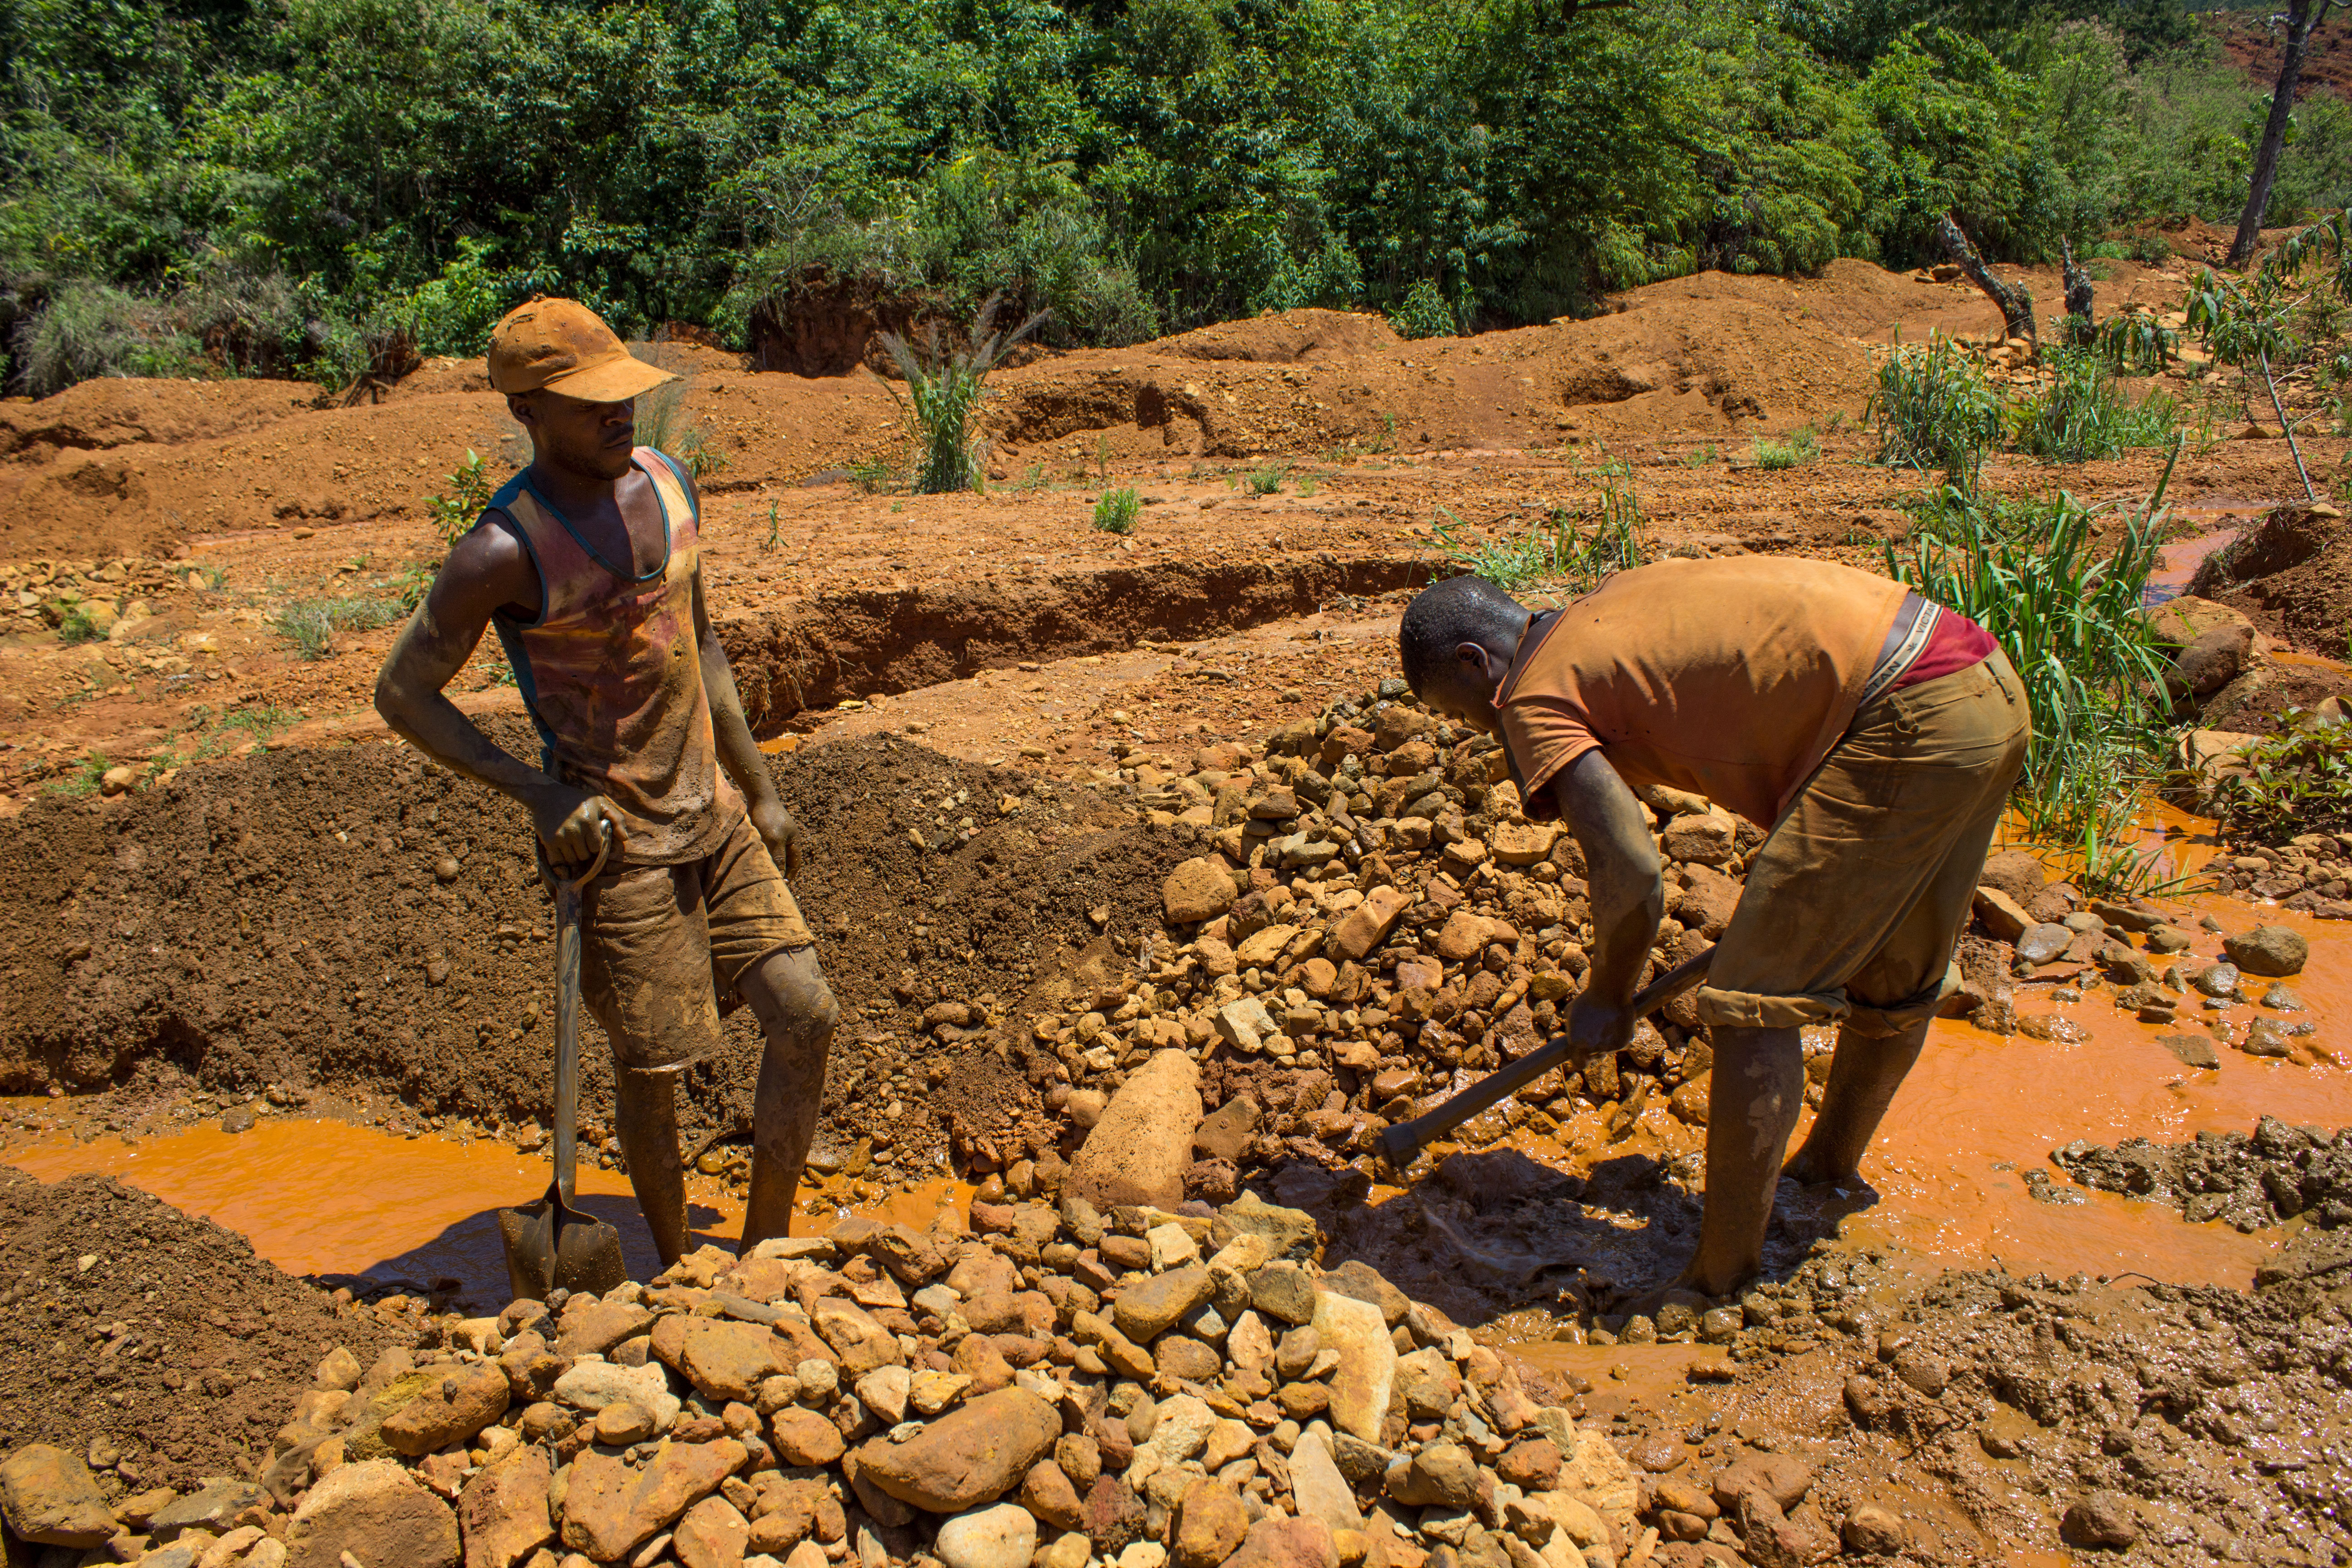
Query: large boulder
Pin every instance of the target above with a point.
(1139, 1152)
(973, 1455)
(503, 1512)
(449, 1409)
(2271, 951)
(2017, 872)
(374, 1512)
(610, 1510)
(50, 1499)
(1198, 889)
(1002, 1536)
(1361, 1383)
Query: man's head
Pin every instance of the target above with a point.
(1456, 643)
(573, 384)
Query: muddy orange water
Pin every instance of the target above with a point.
(320, 1196)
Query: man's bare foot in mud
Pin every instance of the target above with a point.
(1809, 1167)
(1687, 1287)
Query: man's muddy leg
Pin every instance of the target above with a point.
(1754, 1093)
(796, 1010)
(1864, 1076)
(647, 1104)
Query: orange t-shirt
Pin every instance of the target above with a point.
(1731, 678)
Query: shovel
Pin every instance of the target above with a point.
(1403, 1143)
(551, 1245)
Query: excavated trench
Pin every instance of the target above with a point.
(887, 641)
(353, 921)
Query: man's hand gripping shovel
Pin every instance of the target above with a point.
(549, 1244)
(1403, 1143)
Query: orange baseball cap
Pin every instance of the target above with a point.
(566, 347)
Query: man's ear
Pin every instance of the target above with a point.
(523, 406)
(1474, 666)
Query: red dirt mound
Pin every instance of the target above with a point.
(2290, 573)
(1288, 337)
(114, 411)
(161, 1334)
(350, 920)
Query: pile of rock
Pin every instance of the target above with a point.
(1374, 911)
(2248, 1181)
(2076, 947)
(1051, 1389)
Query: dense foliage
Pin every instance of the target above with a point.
(283, 184)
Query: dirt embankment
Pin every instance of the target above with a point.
(2291, 574)
(124, 465)
(857, 644)
(160, 1336)
(349, 920)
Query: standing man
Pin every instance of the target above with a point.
(587, 564)
(1875, 734)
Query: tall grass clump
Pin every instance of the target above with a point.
(943, 400)
(2082, 416)
(666, 424)
(2069, 619)
(1935, 410)
(1117, 513)
(311, 625)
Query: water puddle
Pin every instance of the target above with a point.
(2177, 562)
(320, 1196)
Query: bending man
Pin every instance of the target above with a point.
(587, 564)
(1876, 736)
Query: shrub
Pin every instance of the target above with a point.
(454, 510)
(2298, 781)
(942, 401)
(2131, 342)
(1117, 513)
(1266, 478)
(74, 625)
(1423, 314)
(1552, 548)
(89, 330)
(1801, 446)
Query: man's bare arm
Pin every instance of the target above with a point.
(739, 753)
(1627, 894)
(486, 569)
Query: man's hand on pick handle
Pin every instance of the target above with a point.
(782, 832)
(574, 826)
(1597, 1029)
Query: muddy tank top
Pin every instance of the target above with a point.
(613, 677)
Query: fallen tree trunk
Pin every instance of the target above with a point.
(2015, 301)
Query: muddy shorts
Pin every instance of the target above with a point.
(1855, 900)
(663, 947)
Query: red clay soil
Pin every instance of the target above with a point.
(824, 591)
(163, 1334)
(123, 466)
(2248, 40)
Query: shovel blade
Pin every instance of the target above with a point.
(550, 1247)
